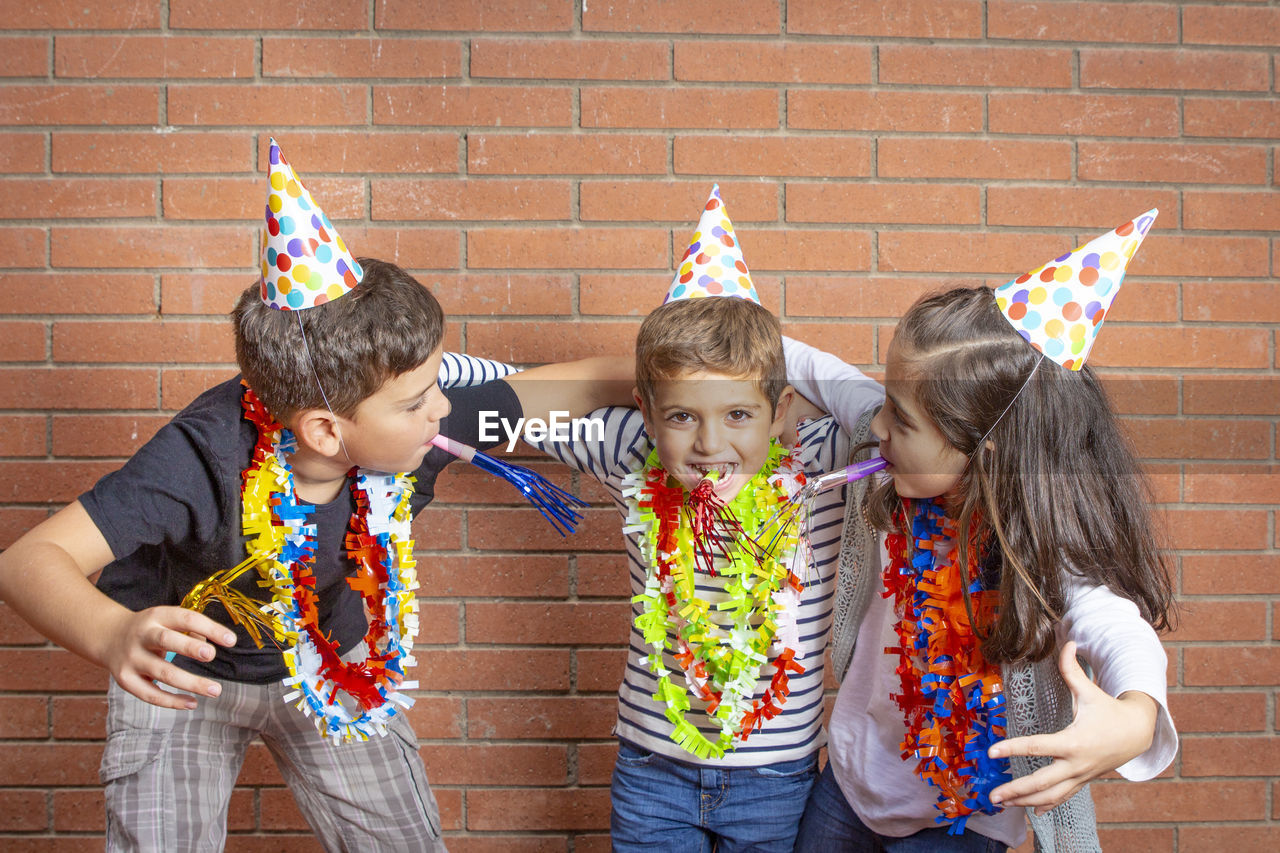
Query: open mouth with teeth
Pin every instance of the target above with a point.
(720, 470)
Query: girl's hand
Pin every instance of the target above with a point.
(1106, 733)
(135, 654)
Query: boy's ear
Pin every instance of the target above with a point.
(318, 430)
(644, 409)
(781, 413)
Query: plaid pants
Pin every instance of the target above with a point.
(169, 774)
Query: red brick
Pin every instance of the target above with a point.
(1160, 69)
(465, 484)
(1122, 801)
(1244, 838)
(1256, 485)
(561, 624)
(928, 112)
(805, 250)
(205, 293)
(853, 342)
(103, 435)
(1179, 438)
(1217, 257)
(566, 154)
(84, 811)
(1147, 302)
(178, 387)
(72, 14)
(1080, 207)
(156, 340)
(682, 107)
(600, 670)
(24, 56)
(679, 202)
(850, 296)
(903, 19)
(242, 198)
(1135, 394)
(167, 56)
(1232, 302)
(1239, 119)
(1083, 115)
(595, 763)
(15, 522)
(567, 248)
(22, 435)
(21, 153)
(1221, 621)
(1155, 840)
(1153, 346)
(935, 65)
(279, 809)
(79, 717)
(248, 15)
(76, 293)
(1174, 162)
(801, 156)
(468, 105)
(482, 843)
(1231, 211)
(932, 204)
(1006, 159)
(90, 104)
(570, 59)
(750, 17)
(602, 575)
(1230, 756)
(438, 528)
(1239, 394)
(411, 248)
(539, 718)
(1151, 23)
(52, 764)
(349, 56)
(949, 252)
(1218, 711)
(267, 104)
(393, 151)
(763, 62)
(525, 530)
(1230, 666)
(1230, 574)
(507, 576)
(522, 809)
(436, 717)
(22, 247)
(508, 15)
(136, 246)
(24, 717)
(637, 294)
(80, 388)
(480, 764)
(502, 293)
(508, 669)
(1220, 529)
(164, 153)
(78, 198)
(1230, 25)
(23, 341)
(447, 199)
(23, 811)
(51, 481)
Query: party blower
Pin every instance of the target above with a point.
(800, 504)
(555, 504)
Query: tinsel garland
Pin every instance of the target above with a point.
(952, 698)
(721, 666)
(281, 546)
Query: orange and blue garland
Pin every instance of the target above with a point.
(281, 546)
(952, 698)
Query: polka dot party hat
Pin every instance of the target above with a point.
(304, 261)
(713, 264)
(1059, 307)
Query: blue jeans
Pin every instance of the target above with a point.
(829, 824)
(662, 805)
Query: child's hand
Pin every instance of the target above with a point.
(136, 653)
(1106, 733)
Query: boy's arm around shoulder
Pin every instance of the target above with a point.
(44, 577)
(830, 383)
(574, 387)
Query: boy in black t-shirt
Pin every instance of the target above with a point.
(340, 362)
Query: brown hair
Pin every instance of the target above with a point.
(1053, 482)
(387, 325)
(724, 334)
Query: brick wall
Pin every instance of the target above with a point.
(540, 165)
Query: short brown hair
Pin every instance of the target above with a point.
(724, 334)
(387, 325)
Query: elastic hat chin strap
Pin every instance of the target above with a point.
(982, 442)
(307, 349)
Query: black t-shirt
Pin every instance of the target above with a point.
(172, 517)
